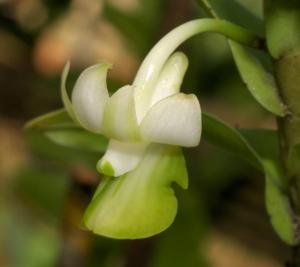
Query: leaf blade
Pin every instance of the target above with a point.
(221, 134)
(278, 206)
(57, 119)
(78, 139)
(260, 83)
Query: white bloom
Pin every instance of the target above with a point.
(166, 116)
(146, 123)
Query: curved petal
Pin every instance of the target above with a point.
(170, 78)
(141, 203)
(90, 96)
(168, 83)
(64, 94)
(175, 120)
(120, 157)
(119, 120)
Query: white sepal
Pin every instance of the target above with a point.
(121, 157)
(175, 120)
(90, 96)
(119, 120)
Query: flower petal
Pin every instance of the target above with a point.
(170, 78)
(64, 94)
(141, 203)
(175, 120)
(119, 120)
(90, 96)
(168, 83)
(120, 157)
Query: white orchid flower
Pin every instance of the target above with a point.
(166, 116)
(171, 118)
(147, 123)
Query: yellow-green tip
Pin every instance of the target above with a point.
(104, 167)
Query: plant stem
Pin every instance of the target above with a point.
(287, 69)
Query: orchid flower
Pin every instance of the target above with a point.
(146, 122)
(140, 152)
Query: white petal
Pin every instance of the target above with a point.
(119, 120)
(168, 83)
(121, 158)
(64, 94)
(90, 96)
(170, 78)
(175, 120)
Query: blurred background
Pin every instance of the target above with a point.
(44, 187)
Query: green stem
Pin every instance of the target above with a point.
(154, 61)
(287, 76)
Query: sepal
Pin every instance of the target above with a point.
(119, 120)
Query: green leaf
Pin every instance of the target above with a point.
(42, 147)
(78, 139)
(278, 205)
(221, 134)
(253, 145)
(141, 203)
(59, 127)
(260, 147)
(260, 83)
(264, 141)
(258, 80)
(58, 119)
